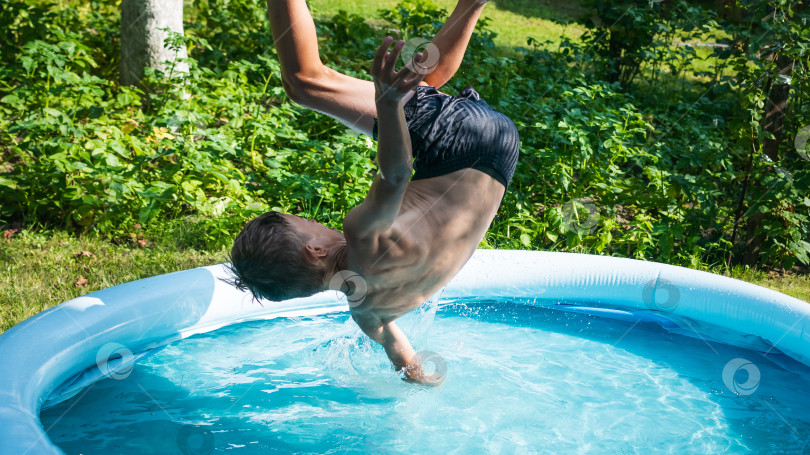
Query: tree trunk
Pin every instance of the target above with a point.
(142, 43)
(731, 11)
(753, 240)
(774, 117)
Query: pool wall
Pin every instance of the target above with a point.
(54, 355)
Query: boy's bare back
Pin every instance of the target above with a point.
(441, 222)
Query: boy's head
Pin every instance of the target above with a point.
(281, 256)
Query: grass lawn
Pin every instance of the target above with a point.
(41, 270)
(38, 271)
(513, 20)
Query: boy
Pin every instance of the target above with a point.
(412, 233)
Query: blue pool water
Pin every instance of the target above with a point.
(520, 379)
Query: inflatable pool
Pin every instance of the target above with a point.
(56, 354)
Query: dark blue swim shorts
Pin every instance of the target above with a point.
(449, 133)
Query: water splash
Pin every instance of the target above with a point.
(349, 350)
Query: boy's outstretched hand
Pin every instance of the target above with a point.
(392, 86)
(415, 371)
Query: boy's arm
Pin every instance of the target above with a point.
(396, 344)
(380, 208)
(397, 347)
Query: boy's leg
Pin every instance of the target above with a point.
(350, 100)
(307, 80)
(451, 42)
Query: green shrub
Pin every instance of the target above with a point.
(651, 170)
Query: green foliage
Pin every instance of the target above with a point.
(747, 204)
(651, 168)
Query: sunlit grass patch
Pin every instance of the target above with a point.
(40, 270)
(542, 22)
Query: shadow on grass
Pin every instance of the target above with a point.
(560, 11)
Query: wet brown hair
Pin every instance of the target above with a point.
(267, 259)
